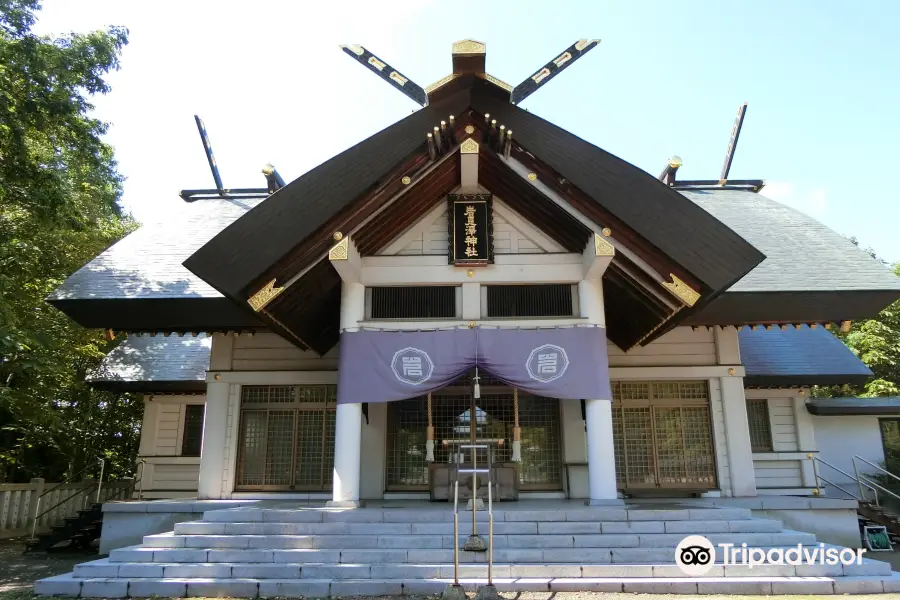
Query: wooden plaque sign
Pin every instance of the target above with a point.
(471, 229)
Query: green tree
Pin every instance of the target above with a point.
(876, 342)
(59, 207)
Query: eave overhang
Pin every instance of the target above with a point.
(792, 307)
(185, 314)
(828, 407)
(151, 387)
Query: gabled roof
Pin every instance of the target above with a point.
(280, 242)
(810, 273)
(700, 244)
(796, 357)
(155, 364)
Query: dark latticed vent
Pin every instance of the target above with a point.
(529, 300)
(433, 302)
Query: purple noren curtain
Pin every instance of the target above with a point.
(383, 366)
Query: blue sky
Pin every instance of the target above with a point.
(821, 79)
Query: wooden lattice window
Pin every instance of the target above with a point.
(662, 435)
(551, 300)
(417, 302)
(286, 437)
(760, 426)
(192, 438)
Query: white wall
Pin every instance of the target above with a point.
(842, 436)
(681, 346)
(167, 474)
(786, 469)
(271, 352)
(513, 234)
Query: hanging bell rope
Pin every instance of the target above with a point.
(429, 435)
(517, 431)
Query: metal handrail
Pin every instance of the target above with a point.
(868, 479)
(490, 485)
(862, 497)
(69, 478)
(869, 483)
(136, 482)
(882, 469)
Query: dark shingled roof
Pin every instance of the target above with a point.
(798, 357)
(889, 405)
(801, 253)
(155, 364)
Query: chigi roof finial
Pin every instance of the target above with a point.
(469, 58)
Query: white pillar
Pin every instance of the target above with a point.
(598, 412)
(737, 437)
(600, 451)
(215, 421)
(212, 452)
(348, 417)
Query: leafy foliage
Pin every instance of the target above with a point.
(59, 193)
(877, 343)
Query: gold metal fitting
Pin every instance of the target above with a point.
(470, 129)
(406, 180)
(606, 231)
(217, 377)
(532, 177)
(338, 236)
(731, 371)
(470, 273)
(471, 324)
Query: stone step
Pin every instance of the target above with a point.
(662, 556)
(643, 540)
(67, 585)
(350, 569)
(500, 527)
(435, 515)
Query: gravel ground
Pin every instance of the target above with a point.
(18, 572)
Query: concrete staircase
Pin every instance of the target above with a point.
(318, 552)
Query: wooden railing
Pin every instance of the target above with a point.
(19, 506)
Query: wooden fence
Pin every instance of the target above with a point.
(19, 501)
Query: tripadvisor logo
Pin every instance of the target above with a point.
(695, 555)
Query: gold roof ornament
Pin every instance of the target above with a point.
(440, 82)
(469, 146)
(497, 81)
(469, 47)
(602, 247)
(341, 250)
(684, 292)
(265, 295)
